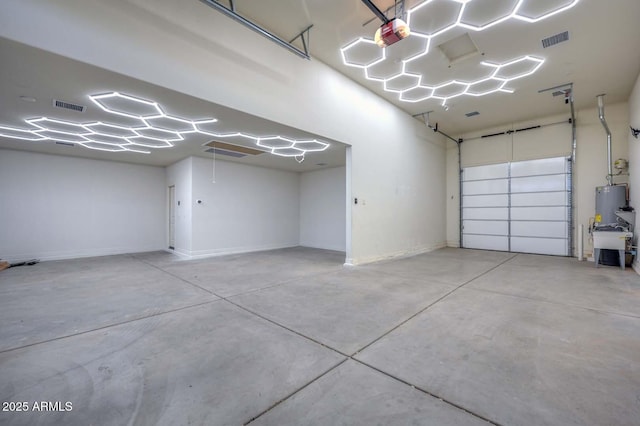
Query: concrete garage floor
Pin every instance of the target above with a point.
(291, 337)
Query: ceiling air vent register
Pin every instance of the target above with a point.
(227, 153)
(230, 150)
(555, 39)
(68, 105)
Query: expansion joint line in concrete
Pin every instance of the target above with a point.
(285, 327)
(227, 299)
(347, 357)
(104, 327)
(276, 284)
(418, 388)
(432, 304)
(446, 401)
(351, 357)
(174, 275)
(295, 392)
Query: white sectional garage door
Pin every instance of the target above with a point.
(521, 206)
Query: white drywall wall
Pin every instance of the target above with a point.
(248, 208)
(56, 207)
(322, 209)
(398, 166)
(552, 141)
(634, 160)
(180, 175)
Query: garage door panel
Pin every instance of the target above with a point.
(540, 199)
(486, 227)
(490, 213)
(557, 247)
(539, 229)
(486, 242)
(487, 201)
(539, 183)
(493, 171)
(484, 187)
(539, 213)
(545, 166)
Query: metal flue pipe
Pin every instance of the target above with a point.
(606, 128)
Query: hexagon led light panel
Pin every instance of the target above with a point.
(419, 18)
(291, 148)
(127, 106)
(475, 15)
(153, 129)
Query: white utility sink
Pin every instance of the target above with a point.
(611, 240)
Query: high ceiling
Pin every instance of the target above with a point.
(510, 66)
(599, 56)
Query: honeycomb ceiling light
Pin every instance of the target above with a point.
(151, 128)
(285, 147)
(482, 87)
(358, 53)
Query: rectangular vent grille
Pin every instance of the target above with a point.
(68, 105)
(234, 148)
(227, 153)
(471, 114)
(555, 39)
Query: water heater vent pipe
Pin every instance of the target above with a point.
(606, 128)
